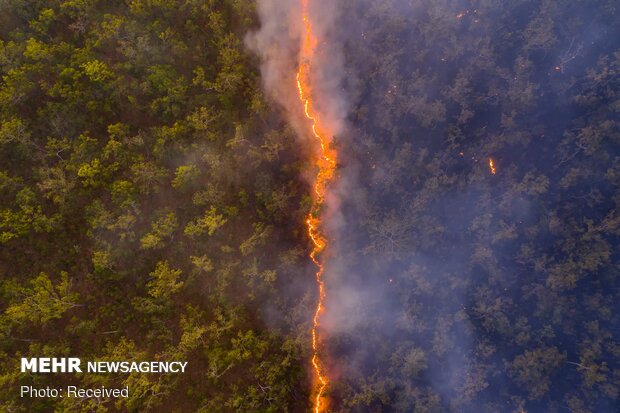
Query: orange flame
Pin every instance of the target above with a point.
(492, 166)
(326, 165)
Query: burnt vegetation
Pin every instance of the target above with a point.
(490, 292)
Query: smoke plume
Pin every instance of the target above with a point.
(277, 43)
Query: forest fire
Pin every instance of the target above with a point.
(310, 206)
(326, 165)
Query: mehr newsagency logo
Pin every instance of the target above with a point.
(75, 365)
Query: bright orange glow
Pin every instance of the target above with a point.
(326, 166)
(492, 166)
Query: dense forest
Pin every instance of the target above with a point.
(456, 289)
(150, 208)
(153, 197)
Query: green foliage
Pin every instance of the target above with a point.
(42, 301)
(13, 130)
(185, 176)
(165, 281)
(28, 217)
(162, 229)
(115, 119)
(209, 223)
(97, 71)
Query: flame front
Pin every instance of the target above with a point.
(492, 166)
(326, 165)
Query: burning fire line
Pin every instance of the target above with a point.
(492, 166)
(326, 164)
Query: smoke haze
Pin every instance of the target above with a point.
(443, 280)
(277, 43)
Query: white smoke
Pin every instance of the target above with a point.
(277, 43)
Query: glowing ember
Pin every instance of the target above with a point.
(492, 166)
(326, 165)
